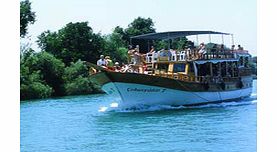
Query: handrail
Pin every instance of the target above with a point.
(186, 55)
(191, 78)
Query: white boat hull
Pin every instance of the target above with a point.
(133, 94)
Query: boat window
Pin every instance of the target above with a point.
(179, 67)
(163, 66)
(203, 69)
(191, 68)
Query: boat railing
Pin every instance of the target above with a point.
(191, 78)
(188, 55)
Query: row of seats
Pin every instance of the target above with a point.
(152, 57)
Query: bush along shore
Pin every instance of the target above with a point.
(43, 76)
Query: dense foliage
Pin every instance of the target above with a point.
(26, 17)
(72, 42)
(32, 85)
(42, 75)
(77, 80)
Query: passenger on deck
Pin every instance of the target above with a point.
(152, 49)
(201, 51)
(101, 61)
(130, 53)
(117, 68)
(137, 48)
(188, 52)
(137, 58)
(214, 50)
(233, 48)
(222, 48)
(240, 48)
(109, 61)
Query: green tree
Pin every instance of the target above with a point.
(51, 70)
(32, 85)
(137, 27)
(115, 47)
(140, 26)
(26, 16)
(77, 80)
(72, 42)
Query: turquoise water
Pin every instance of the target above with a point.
(95, 123)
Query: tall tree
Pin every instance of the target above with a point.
(140, 26)
(137, 27)
(49, 68)
(72, 42)
(26, 17)
(116, 47)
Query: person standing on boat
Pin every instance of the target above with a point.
(201, 51)
(130, 54)
(137, 61)
(101, 61)
(152, 49)
(137, 48)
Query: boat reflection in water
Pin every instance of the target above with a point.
(192, 76)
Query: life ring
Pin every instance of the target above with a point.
(186, 77)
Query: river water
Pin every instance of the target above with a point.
(96, 123)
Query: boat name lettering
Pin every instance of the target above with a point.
(145, 90)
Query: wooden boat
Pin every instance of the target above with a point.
(183, 78)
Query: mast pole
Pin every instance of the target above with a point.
(210, 39)
(222, 38)
(197, 42)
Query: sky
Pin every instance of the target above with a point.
(238, 17)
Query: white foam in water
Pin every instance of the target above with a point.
(102, 109)
(114, 105)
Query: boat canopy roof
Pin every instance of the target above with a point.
(173, 35)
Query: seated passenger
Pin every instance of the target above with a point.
(222, 48)
(240, 48)
(109, 63)
(117, 68)
(101, 61)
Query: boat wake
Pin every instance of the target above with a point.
(116, 107)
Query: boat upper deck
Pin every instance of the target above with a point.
(194, 55)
